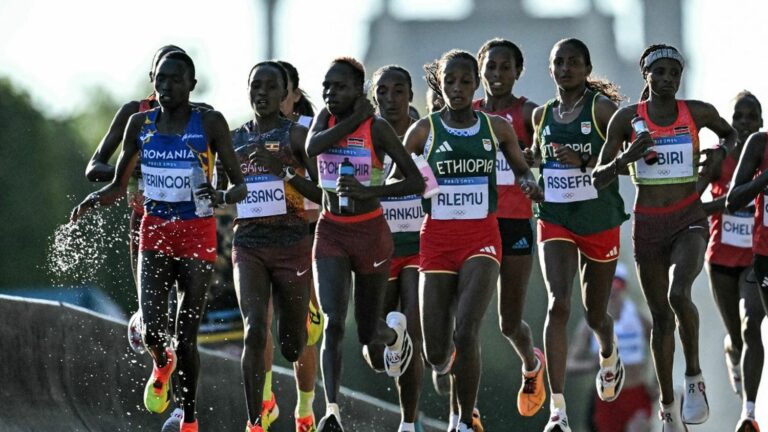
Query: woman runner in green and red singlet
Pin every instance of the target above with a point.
(178, 142)
(578, 228)
(670, 229)
(352, 235)
(392, 92)
(501, 65)
(271, 247)
(458, 277)
(729, 266)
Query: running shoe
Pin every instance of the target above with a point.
(464, 428)
(695, 404)
(306, 424)
(397, 357)
(189, 427)
(329, 423)
(532, 393)
(253, 428)
(747, 424)
(269, 412)
(173, 424)
(315, 324)
(477, 425)
(610, 377)
(367, 357)
(734, 369)
(558, 422)
(156, 393)
(671, 419)
(135, 330)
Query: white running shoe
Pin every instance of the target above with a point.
(670, 417)
(135, 330)
(734, 369)
(695, 404)
(397, 356)
(558, 422)
(610, 377)
(173, 424)
(329, 423)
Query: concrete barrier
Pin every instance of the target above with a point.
(68, 369)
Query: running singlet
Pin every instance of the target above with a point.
(630, 336)
(135, 183)
(272, 212)
(464, 163)
(358, 148)
(166, 166)
(570, 200)
(677, 146)
(730, 235)
(760, 241)
(512, 202)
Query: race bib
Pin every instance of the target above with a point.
(737, 229)
(504, 174)
(565, 184)
(403, 214)
(675, 159)
(461, 198)
(167, 181)
(329, 162)
(265, 197)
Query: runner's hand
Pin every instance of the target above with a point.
(86, 205)
(363, 108)
(568, 156)
(350, 187)
(267, 160)
(712, 163)
(206, 191)
(637, 148)
(529, 157)
(532, 190)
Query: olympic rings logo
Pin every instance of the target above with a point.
(568, 195)
(459, 212)
(256, 210)
(664, 172)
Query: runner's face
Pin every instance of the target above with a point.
(458, 83)
(173, 83)
(663, 77)
(499, 71)
(340, 90)
(746, 118)
(266, 91)
(392, 95)
(568, 67)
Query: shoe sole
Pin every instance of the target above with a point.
(619, 384)
(696, 422)
(405, 358)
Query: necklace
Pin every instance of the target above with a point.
(573, 107)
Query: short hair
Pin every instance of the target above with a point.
(182, 57)
(275, 65)
(161, 53)
(746, 94)
(498, 42)
(358, 70)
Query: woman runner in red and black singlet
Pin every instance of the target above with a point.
(501, 65)
(177, 235)
(670, 229)
(729, 265)
(352, 235)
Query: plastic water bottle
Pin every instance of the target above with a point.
(202, 205)
(639, 126)
(431, 188)
(346, 205)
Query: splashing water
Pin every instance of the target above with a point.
(77, 251)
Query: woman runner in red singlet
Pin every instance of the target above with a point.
(729, 266)
(501, 65)
(458, 277)
(352, 235)
(177, 234)
(670, 227)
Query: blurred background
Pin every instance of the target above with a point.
(65, 68)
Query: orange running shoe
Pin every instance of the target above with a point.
(156, 393)
(188, 427)
(306, 424)
(269, 412)
(477, 425)
(532, 393)
(251, 428)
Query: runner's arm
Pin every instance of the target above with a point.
(612, 161)
(322, 137)
(511, 150)
(99, 169)
(217, 129)
(308, 188)
(745, 186)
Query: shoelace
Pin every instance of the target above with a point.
(529, 385)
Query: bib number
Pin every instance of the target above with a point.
(504, 174)
(168, 183)
(461, 198)
(675, 159)
(403, 214)
(563, 184)
(737, 230)
(265, 197)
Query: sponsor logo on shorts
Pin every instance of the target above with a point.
(489, 250)
(301, 273)
(613, 252)
(521, 244)
(379, 263)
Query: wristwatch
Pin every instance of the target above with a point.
(585, 158)
(287, 173)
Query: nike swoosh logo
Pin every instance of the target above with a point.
(314, 317)
(298, 273)
(378, 263)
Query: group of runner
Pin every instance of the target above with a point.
(397, 192)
